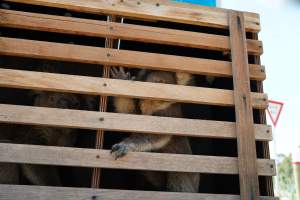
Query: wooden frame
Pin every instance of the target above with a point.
(116, 122)
(93, 28)
(65, 156)
(180, 13)
(110, 87)
(107, 56)
(249, 186)
(109, 43)
(246, 165)
(48, 193)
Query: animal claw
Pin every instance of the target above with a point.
(119, 73)
(119, 150)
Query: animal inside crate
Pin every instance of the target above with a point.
(81, 41)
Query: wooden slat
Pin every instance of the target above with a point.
(79, 157)
(249, 185)
(268, 182)
(96, 174)
(21, 192)
(148, 9)
(69, 25)
(97, 55)
(124, 122)
(113, 87)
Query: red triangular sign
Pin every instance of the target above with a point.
(274, 111)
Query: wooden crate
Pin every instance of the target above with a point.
(158, 24)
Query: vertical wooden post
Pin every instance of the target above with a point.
(247, 161)
(109, 43)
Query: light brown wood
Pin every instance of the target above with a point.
(67, 156)
(21, 192)
(96, 174)
(249, 185)
(124, 122)
(268, 182)
(113, 87)
(135, 59)
(52, 23)
(153, 10)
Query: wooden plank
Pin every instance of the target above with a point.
(82, 157)
(86, 27)
(249, 185)
(106, 56)
(147, 9)
(124, 122)
(263, 120)
(21, 192)
(113, 87)
(96, 174)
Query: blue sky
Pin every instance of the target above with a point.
(280, 20)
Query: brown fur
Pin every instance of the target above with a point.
(38, 174)
(48, 175)
(176, 182)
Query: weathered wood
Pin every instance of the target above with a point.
(21, 192)
(86, 27)
(106, 56)
(96, 174)
(249, 185)
(124, 122)
(147, 9)
(82, 157)
(263, 120)
(113, 87)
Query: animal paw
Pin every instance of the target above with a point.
(119, 73)
(119, 150)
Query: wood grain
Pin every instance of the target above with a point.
(20, 192)
(249, 185)
(106, 56)
(113, 87)
(67, 156)
(124, 122)
(268, 182)
(86, 27)
(96, 174)
(148, 9)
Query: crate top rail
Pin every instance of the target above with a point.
(153, 10)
